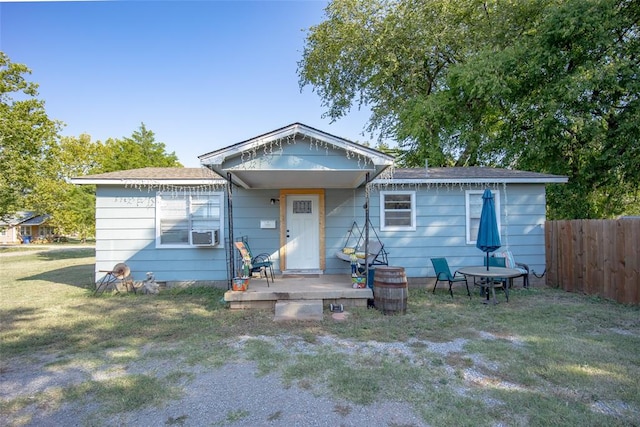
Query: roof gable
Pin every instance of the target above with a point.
(18, 218)
(36, 220)
(297, 156)
(288, 135)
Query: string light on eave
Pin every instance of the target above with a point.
(174, 189)
(276, 148)
(384, 183)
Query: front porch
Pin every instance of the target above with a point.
(330, 289)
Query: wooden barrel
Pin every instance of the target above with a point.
(390, 290)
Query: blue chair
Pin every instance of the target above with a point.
(510, 262)
(443, 273)
(498, 282)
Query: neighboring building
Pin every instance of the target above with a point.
(25, 227)
(295, 193)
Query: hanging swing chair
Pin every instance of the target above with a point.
(355, 244)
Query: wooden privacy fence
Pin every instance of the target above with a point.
(595, 257)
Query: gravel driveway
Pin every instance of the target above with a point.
(233, 395)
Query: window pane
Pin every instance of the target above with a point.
(475, 210)
(205, 212)
(398, 219)
(474, 224)
(174, 234)
(202, 207)
(475, 207)
(397, 201)
(174, 220)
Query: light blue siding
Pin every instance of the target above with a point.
(441, 228)
(249, 207)
(299, 154)
(125, 232)
(125, 228)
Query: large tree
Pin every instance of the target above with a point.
(542, 85)
(137, 151)
(27, 138)
(72, 208)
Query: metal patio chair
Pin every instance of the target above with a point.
(260, 263)
(443, 274)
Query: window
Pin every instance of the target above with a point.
(397, 210)
(45, 231)
(302, 206)
(179, 215)
(474, 209)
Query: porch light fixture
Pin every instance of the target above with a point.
(273, 201)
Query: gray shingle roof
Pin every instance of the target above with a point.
(156, 174)
(470, 174)
(18, 217)
(36, 220)
(435, 175)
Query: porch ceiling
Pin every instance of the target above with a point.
(266, 179)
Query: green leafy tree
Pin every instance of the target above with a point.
(138, 151)
(542, 85)
(562, 97)
(72, 208)
(80, 156)
(27, 138)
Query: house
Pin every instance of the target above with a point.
(296, 193)
(24, 227)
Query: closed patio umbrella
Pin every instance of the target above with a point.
(488, 235)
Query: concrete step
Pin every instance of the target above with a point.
(310, 309)
(315, 273)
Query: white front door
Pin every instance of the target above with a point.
(303, 232)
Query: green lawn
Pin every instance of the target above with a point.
(546, 357)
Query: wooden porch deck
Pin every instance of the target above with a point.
(331, 289)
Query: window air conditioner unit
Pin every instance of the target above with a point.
(205, 238)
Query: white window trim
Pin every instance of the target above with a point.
(471, 240)
(189, 245)
(384, 227)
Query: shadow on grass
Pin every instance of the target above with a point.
(96, 324)
(67, 253)
(10, 317)
(80, 276)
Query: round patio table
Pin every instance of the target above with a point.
(490, 275)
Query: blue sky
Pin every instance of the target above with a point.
(200, 74)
